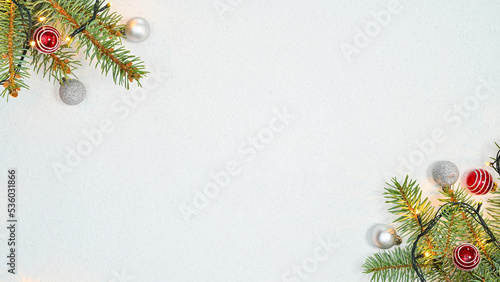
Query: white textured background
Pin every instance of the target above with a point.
(218, 77)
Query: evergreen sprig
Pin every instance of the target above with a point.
(406, 200)
(100, 42)
(12, 46)
(58, 65)
(97, 45)
(494, 211)
(392, 265)
(435, 249)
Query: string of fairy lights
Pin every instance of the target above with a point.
(46, 39)
(26, 17)
(97, 9)
(496, 163)
(474, 212)
(23, 11)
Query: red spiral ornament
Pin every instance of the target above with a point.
(479, 181)
(47, 39)
(466, 257)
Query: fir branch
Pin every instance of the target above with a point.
(392, 265)
(407, 202)
(10, 83)
(59, 65)
(113, 31)
(481, 274)
(449, 231)
(458, 221)
(107, 22)
(496, 161)
(12, 46)
(494, 211)
(472, 226)
(112, 58)
(450, 225)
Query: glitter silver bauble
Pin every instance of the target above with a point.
(445, 173)
(137, 29)
(72, 92)
(384, 236)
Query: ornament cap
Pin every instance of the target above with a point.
(399, 240)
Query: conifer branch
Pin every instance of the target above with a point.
(112, 58)
(12, 41)
(460, 195)
(478, 240)
(98, 34)
(459, 220)
(407, 203)
(494, 211)
(112, 30)
(10, 83)
(392, 265)
(107, 22)
(58, 65)
(449, 232)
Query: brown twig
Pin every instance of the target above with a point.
(63, 65)
(11, 83)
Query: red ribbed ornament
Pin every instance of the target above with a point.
(466, 257)
(47, 39)
(479, 181)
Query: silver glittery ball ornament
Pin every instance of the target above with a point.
(384, 236)
(137, 29)
(445, 173)
(72, 92)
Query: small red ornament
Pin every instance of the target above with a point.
(479, 181)
(47, 39)
(466, 257)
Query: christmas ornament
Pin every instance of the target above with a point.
(479, 181)
(445, 173)
(137, 29)
(72, 92)
(46, 39)
(384, 236)
(436, 231)
(92, 32)
(466, 257)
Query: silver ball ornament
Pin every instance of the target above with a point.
(384, 236)
(72, 92)
(137, 29)
(445, 173)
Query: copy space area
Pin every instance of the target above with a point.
(259, 145)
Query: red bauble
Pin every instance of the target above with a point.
(466, 257)
(47, 39)
(479, 181)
